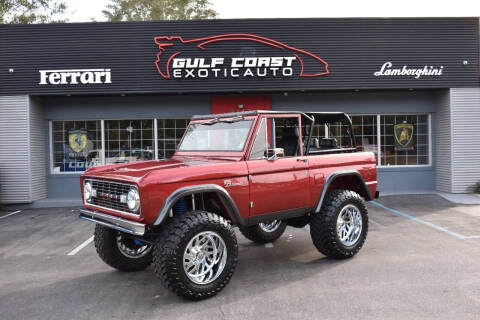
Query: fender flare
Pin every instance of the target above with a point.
(341, 173)
(225, 198)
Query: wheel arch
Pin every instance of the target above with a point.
(344, 178)
(231, 209)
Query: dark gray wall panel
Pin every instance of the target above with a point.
(405, 179)
(37, 153)
(358, 102)
(353, 48)
(129, 107)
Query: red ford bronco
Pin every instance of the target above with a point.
(257, 170)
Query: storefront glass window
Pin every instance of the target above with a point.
(404, 140)
(76, 145)
(410, 145)
(318, 131)
(129, 140)
(365, 130)
(170, 132)
(339, 131)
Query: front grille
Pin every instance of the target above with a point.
(108, 195)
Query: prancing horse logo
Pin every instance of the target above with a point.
(77, 140)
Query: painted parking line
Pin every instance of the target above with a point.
(471, 237)
(426, 223)
(80, 247)
(10, 214)
(378, 224)
(269, 245)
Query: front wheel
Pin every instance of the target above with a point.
(340, 229)
(264, 232)
(121, 251)
(196, 254)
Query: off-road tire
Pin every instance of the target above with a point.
(107, 249)
(257, 235)
(170, 246)
(323, 226)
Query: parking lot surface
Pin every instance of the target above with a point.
(421, 260)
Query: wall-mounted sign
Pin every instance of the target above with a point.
(234, 56)
(387, 70)
(77, 139)
(403, 133)
(75, 76)
(78, 151)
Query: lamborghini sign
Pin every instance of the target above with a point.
(403, 133)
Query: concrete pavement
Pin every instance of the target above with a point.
(407, 269)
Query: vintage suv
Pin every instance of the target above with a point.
(257, 170)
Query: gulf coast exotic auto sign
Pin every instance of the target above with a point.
(236, 55)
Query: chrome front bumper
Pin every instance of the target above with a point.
(113, 222)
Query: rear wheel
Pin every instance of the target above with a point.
(265, 232)
(340, 229)
(196, 254)
(121, 251)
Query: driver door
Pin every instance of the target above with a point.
(278, 182)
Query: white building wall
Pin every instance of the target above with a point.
(14, 151)
(22, 150)
(443, 156)
(465, 122)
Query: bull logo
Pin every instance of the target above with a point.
(171, 47)
(77, 140)
(403, 133)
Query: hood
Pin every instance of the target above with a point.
(136, 171)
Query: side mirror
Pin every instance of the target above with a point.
(274, 154)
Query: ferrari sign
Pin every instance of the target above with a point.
(75, 76)
(77, 139)
(403, 133)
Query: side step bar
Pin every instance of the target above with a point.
(113, 222)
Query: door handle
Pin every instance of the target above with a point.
(302, 159)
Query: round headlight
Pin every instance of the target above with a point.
(133, 200)
(87, 191)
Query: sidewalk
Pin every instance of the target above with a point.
(457, 198)
(47, 203)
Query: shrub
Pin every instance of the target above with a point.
(477, 187)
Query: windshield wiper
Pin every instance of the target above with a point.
(216, 120)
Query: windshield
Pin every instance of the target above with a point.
(219, 135)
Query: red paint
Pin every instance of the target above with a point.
(168, 65)
(168, 41)
(276, 185)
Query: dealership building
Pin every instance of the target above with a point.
(83, 94)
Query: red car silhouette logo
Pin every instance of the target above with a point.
(172, 46)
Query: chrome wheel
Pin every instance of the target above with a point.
(205, 257)
(349, 225)
(132, 248)
(270, 227)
